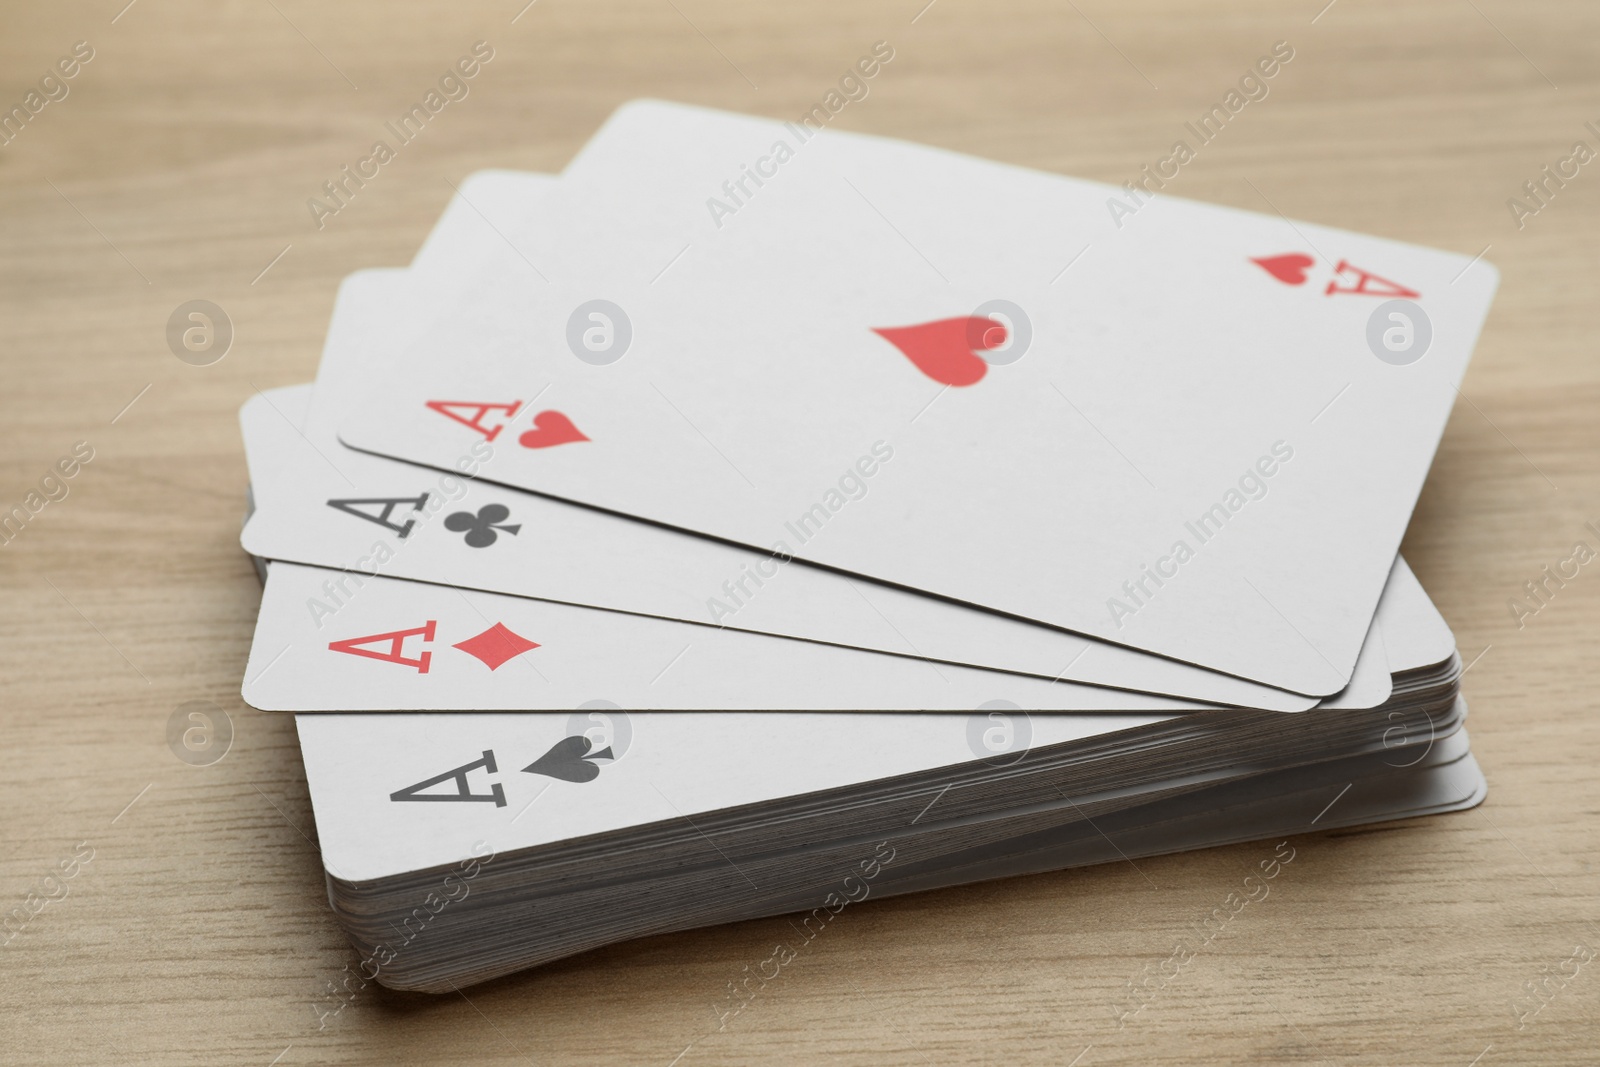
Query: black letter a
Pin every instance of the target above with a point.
(382, 518)
(463, 790)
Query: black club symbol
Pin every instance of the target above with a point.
(480, 528)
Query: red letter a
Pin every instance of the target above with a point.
(1384, 286)
(478, 412)
(397, 646)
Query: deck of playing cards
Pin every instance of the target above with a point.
(758, 518)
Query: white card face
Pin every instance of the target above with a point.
(332, 641)
(505, 782)
(335, 642)
(320, 503)
(1372, 682)
(661, 766)
(1426, 642)
(1186, 407)
(484, 203)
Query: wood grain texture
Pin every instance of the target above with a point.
(179, 166)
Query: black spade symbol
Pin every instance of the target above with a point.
(569, 760)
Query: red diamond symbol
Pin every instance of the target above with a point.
(496, 645)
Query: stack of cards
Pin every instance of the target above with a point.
(757, 518)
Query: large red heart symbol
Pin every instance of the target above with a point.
(1289, 269)
(550, 428)
(944, 350)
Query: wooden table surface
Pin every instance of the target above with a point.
(178, 167)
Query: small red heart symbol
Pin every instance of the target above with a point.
(550, 428)
(944, 350)
(1289, 269)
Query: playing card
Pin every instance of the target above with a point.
(408, 940)
(323, 504)
(1178, 418)
(795, 643)
(391, 796)
(485, 204)
(405, 792)
(334, 641)
(724, 761)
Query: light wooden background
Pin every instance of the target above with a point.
(179, 167)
